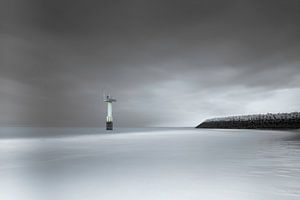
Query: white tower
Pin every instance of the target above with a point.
(109, 118)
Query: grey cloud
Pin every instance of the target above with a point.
(167, 62)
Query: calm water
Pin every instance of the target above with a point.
(156, 164)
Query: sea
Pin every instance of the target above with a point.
(148, 164)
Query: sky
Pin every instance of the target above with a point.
(167, 62)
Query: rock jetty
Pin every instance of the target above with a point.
(259, 121)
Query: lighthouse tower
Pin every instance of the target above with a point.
(109, 119)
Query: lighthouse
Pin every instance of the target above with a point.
(109, 118)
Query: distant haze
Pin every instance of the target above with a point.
(167, 62)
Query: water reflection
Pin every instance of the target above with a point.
(152, 164)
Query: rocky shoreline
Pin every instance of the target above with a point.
(260, 121)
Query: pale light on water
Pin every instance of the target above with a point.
(149, 164)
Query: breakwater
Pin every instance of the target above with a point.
(259, 121)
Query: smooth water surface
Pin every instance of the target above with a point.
(156, 164)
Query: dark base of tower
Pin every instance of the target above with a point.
(109, 126)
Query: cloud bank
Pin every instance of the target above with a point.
(169, 63)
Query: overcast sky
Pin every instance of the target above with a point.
(168, 62)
